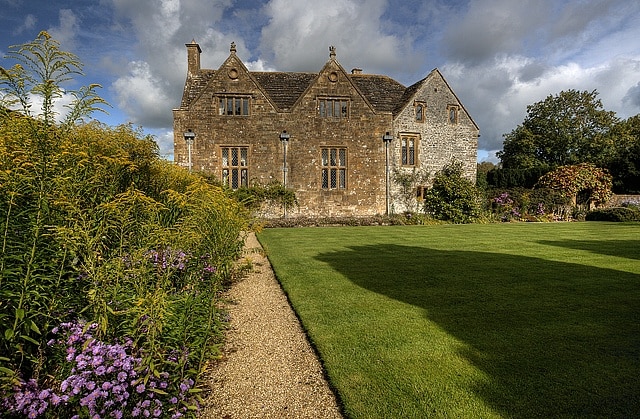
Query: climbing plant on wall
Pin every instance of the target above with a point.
(576, 179)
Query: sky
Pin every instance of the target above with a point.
(498, 55)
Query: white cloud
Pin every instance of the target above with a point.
(493, 27)
(154, 82)
(66, 31)
(164, 139)
(299, 33)
(28, 24)
(143, 97)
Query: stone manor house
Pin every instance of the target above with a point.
(334, 137)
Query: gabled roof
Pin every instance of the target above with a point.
(381, 91)
(408, 94)
(284, 88)
(194, 86)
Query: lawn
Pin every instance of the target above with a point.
(502, 320)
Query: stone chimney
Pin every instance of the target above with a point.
(356, 71)
(193, 58)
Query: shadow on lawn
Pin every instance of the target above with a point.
(629, 249)
(556, 339)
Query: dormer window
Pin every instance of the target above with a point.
(419, 108)
(452, 110)
(233, 105)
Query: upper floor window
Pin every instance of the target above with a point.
(333, 107)
(419, 111)
(453, 110)
(408, 150)
(233, 105)
(334, 168)
(235, 166)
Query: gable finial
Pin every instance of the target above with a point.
(332, 51)
(233, 47)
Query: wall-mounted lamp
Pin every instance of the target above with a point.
(387, 138)
(284, 139)
(189, 137)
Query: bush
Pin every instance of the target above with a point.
(121, 251)
(540, 204)
(453, 198)
(103, 233)
(619, 214)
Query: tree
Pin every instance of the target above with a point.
(569, 128)
(625, 164)
(483, 168)
(452, 197)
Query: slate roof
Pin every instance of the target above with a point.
(284, 88)
(194, 86)
(382, 92)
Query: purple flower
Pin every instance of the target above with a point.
(140, 388)
(55, 399)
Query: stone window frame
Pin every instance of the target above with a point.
(421, 192)
(408, 153)
(234, 169)
(241, 104)
(419, 111)
(334, 168)
(453, 113)
(340, 103)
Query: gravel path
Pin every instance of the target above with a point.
(269, 369)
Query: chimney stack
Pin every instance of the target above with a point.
(193, 58)
(356, 71)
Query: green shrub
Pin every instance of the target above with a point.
(619, 214)
(453, 198)
(540, 204)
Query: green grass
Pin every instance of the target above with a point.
(502, 320)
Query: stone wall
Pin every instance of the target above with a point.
(440, 142)
(619, 200)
